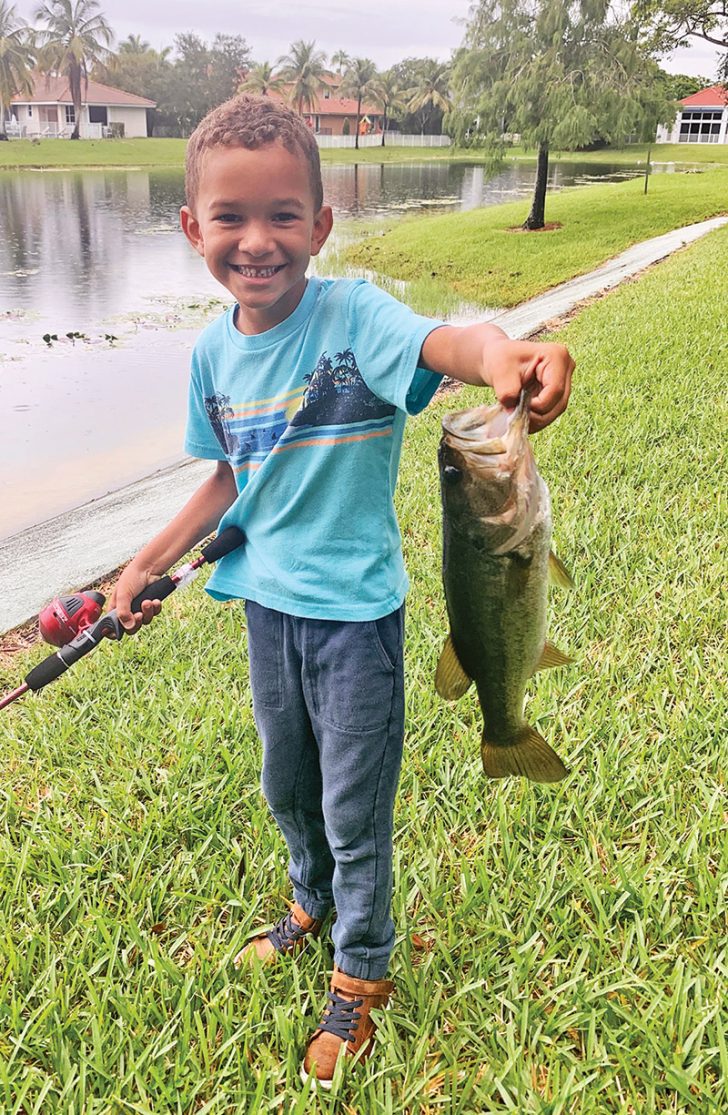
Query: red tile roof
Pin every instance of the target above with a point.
(55, 90)
(332, 105)
(715, 96)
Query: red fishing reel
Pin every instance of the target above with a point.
(62, 620)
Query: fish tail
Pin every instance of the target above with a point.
(528, 755)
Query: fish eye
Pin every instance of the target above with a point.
(452, 475)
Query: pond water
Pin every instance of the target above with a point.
(101, 299)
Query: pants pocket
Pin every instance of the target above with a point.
(353, 670)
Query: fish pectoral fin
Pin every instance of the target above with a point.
(528, 755)
(451, 681)
(558, 573)
(552, 656)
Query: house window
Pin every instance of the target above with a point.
(70, 114)
(98, 114)
(700, 126)
(30, 110)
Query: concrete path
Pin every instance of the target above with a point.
(80, 546)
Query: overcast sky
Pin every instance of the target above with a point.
(384, 30)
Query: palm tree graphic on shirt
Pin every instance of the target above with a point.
(337, 394)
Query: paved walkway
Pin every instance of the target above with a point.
(80, 546)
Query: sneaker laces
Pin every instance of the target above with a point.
(284, 935)
(341, 1016)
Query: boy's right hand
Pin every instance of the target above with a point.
(130, 584)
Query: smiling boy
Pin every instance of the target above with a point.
(300, 392)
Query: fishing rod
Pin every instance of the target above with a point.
(73, 624)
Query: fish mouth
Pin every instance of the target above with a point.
(487, 430)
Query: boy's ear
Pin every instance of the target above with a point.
(191, 229)
(322, 225)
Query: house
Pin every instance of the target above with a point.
(332, 115)
(701, 118)
(49, 111)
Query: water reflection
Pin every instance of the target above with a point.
(100, 253)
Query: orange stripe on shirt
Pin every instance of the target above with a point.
(332, 440)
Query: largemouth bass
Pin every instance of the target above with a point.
(497, 561)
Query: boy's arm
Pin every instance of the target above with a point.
(484, 354)
(198, 518)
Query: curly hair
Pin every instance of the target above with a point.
(252, 122)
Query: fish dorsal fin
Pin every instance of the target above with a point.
(552, 656)
(451, 681)
(558, 573)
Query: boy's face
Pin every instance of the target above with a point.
(255, 226)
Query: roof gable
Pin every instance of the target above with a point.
(52, 89)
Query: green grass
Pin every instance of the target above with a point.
(484, 257)
(560, 949)
(684, 154)
(58, 153)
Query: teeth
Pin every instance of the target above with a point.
(256, 272)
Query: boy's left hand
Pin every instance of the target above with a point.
(484, 354)
(509, 366)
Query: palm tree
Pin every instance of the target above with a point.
(304, 68)
(261, 79)
(16, 59)
(340, 60)
(71, 42)
(357, 81)
(386, 92)
(134, 44)
(432, 89)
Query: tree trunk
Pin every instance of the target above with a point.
(3, 133)
(358, 123)
(384, 126)
(536, 218)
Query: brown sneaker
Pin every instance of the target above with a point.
(287, 936)
(346, 1025)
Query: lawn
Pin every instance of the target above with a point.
(484, 257)
(57, 153)
(561, 949)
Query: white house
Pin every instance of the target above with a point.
(49, 110)
(701, 118)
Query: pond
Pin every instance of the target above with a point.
(101, 299)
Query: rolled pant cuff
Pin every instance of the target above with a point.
(361, 969)
(317, 909)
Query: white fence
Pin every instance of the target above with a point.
(391, 139)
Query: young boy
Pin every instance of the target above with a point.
(300, 392)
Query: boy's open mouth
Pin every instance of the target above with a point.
(256, 272)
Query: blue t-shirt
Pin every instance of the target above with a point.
(310, 416)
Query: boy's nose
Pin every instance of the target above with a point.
(256, 240)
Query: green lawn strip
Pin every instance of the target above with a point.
(560, 949)
(63, 153)
(484, 257)
(60, 153)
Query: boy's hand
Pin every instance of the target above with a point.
(509, 366)
(130, 584)
(484, 354)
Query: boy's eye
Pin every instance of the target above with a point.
(285, 217)
(226, 218)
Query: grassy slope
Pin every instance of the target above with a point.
(560, 949)
(19, 153)
(485, 258)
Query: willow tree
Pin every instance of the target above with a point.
(562, 75)
(75, 36)
(673, 23)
